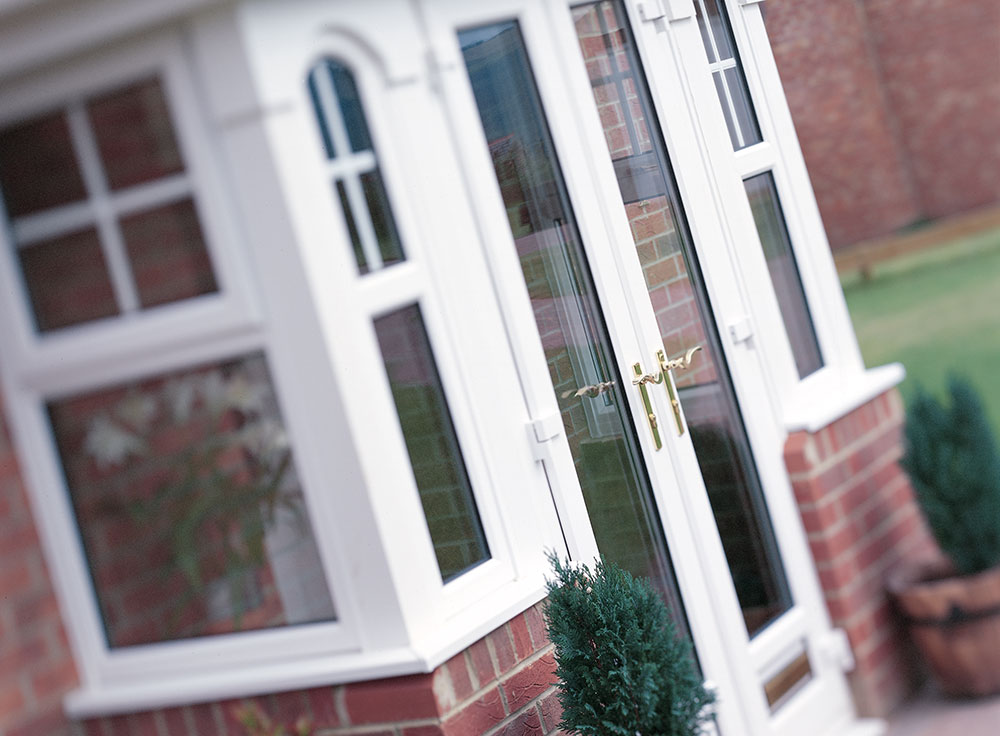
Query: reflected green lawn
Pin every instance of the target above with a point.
(936, 312)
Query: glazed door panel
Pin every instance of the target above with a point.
(597, 217)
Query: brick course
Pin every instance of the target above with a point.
(896, 104)
(476, 692)
(36, 666)
(861, 520)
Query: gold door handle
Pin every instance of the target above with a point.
(666, 368)
(593, 391)
(678, 364)
(641, 378)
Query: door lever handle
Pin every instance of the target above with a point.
(677, 364)
(666, 366)
(640, 379)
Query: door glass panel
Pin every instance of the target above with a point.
(684, 316)
(575, 339)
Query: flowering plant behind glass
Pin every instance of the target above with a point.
(220, 465)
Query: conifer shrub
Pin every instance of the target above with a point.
(623, 670)
(952, 460)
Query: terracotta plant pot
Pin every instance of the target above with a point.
(955, 623)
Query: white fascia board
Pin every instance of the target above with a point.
(33, 32)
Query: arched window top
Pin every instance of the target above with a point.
(353, 166)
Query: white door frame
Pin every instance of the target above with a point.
(729, 659)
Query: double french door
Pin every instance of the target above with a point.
(583, 139)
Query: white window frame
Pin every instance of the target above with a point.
(42, 367)
(235, 81)
(842, 383)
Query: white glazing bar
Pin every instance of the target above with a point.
(52, 223)
(353, 164)
(334, 120)
(112, 243)
(721, 66)
(732, 110)
(71, 218)
(151, 194)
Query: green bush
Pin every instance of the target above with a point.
(623, 670)
(952, 460)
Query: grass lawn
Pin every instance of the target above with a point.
(936, 312)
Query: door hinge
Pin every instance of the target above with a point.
(669, 9)
(835, 648)
(741, 330)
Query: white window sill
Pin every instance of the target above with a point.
(435, 647)
(821, 400)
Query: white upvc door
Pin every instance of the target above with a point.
(633, 222)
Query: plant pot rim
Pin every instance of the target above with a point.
(933, 573)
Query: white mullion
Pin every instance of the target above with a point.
(352, 180)
(112, 242)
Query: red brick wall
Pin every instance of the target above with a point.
(502, 683)
(845, 127)
(941, 63)
(36, 667)
(896, 104)
(861, 520)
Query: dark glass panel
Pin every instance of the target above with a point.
(435, 455)
(785, 278)
(167, 253)
(135, 135)
(67, 280)
(377, 200)
(352, 228)
(38, 167)
(569, 319)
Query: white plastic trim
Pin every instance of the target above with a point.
(818, 403)
(185, 689)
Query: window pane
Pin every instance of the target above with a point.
(568, 316)
(67, 280)
(727, 73)
(38, 168)
(352, 228)
(360, 190)
(784, 271)
(134, 134)
(168, 255)
(381, 216)
(435, 455)
(188, 505)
